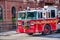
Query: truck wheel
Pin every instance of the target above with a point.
(47, 30)
(30, 33)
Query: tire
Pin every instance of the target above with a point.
(30, 33)
(47, 30)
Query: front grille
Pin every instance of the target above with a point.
(28, 23)
(25, 25)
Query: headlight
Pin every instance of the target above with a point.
(58, 22)
(19, 23)
(32, 23)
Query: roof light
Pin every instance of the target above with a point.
(45, 6)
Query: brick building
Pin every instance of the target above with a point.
(9, 9)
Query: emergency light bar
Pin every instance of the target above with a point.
(49, 6)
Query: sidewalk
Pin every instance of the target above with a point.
(8, 33)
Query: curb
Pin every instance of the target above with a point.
(8, 33)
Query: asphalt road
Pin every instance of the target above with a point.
(23, 36)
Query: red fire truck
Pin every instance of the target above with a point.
(44, 20)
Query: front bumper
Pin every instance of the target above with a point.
(58, 26)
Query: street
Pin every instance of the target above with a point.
(23, 36)
(29, 16)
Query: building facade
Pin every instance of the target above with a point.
(9, 9)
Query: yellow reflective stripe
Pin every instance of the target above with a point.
(49, 21)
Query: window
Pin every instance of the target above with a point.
(30, 0)
(13, 14)
(59, 13)
(22, 15)
(20, 8)
(35, 0)
(59, 1)
(39, 14)
(41, 0)
(48, 14)
(52, 13)
(56, 1)
(1, 13)
(31, 15)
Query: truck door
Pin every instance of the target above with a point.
(58, 21)
(39, 25)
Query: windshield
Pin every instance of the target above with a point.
(31, 15)
(22, 15)
(59, 14)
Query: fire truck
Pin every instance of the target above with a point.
(44, 20)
